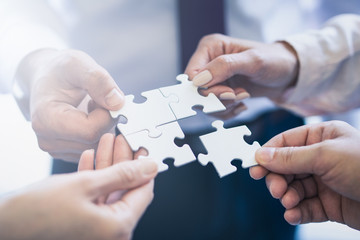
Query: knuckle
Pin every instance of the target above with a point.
(258, 61)
(43, 145)
(287, 156)
(321, 155)
(38, 122)
(70, 56)
(86, 181)
(337, 124)
(128, 174)
(227, 65)
(97, 76)
(36, 125)
(91, 136)
(211, 38)
(224, 62)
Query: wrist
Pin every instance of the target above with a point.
(293, 61)
(25, 76)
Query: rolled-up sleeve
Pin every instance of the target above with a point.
(329, 74)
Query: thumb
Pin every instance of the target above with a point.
(104, 91)
(122, 176)
(289, 160)
(97, 82)
(225, 66)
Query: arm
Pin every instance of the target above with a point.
(329, 73)
(310, 73)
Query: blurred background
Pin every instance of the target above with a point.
(23, 163)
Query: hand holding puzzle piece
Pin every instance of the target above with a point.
(153, 125)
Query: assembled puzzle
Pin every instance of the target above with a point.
(153, 126)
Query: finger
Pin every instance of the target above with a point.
(124, 175)
(97, 82)
(198, 61)
(104, 153)
(290, 160)
(104, 156)
(226, 93)
(64, 146)
(223, 92)
(233, 108)
(309, 210)
(294, 137)
(297, 191)
(135, 202)
(276, 184)
(208, 48)
(225, 66)
(122, 150)
(258, 172)
(68, 123)
(86, 160)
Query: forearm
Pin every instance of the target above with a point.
(329, 76)
(9, 216)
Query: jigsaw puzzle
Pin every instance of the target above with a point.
(153, 112)
(225, 145)
(188, 96)
(153, 125)
(164, 146)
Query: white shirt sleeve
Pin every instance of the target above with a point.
(25, 26)
(329, 75)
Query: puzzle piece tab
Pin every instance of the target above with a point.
(225, 145)
(163, 146)
(188, 96)
(153, 112)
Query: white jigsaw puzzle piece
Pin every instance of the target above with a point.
(164, 146)
(153, 112)
(225, 145)
(188, 96)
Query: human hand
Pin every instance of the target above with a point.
(314, 171)
(110, 151)
(58, 81)
(66, 206)
(233, 69)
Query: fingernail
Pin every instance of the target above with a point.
(227, 96)
(114, 98)
(265, 154)
(242, 96)
(239, 109)
(202, 78)
(148, 166)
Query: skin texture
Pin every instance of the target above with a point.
(242, 68)
(68, 98)
(68, 95)
(314, 171)
(69, 206)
